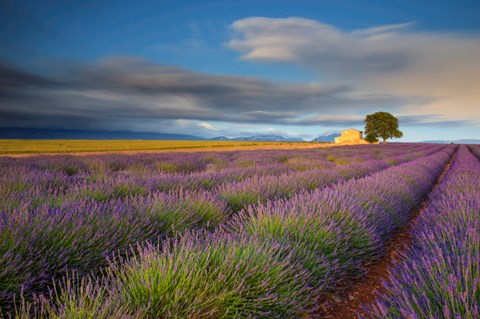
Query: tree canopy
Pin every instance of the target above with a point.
(381, 125)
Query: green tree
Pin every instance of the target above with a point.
(381, 125)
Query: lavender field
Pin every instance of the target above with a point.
(238, 234)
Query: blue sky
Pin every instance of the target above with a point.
(297, 68)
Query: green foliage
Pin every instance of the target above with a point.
(198, 277)
(246, 164)
(381, 125)
(238, 199)
(195, 276)
(313, 238)
(371, 139)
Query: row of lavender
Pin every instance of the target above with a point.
(30, 189)
(475, 149)
(30, 183)
(271, 260)
(42, 243)
(198, 162)
(440, 275)
(257, 189)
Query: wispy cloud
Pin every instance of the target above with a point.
(316, 44)
(207, 126)
(397, 59)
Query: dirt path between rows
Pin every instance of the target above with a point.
(348, 303)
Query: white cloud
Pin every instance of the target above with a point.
(394, 59)
(316, 44)
(207, 126)
(383, 29)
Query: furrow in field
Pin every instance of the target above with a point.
(348, 303)
(438, 276)
(336, 230)
(475, 149)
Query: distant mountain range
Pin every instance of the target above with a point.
(277, 138)
(57, 134)
(326, 138)
(219, 138)
(47, 134)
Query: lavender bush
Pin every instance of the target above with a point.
(262, 188)
(66, 214)
(43, 243)
(199, 275)
(276, 259)
(440, 275)
(334, 231)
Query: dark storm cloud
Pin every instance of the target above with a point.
(10, 77)
(121, 91)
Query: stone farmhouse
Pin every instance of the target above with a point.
(350, 136)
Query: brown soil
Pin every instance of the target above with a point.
(187, 150)
(348, 303)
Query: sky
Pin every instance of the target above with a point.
(240, 68)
